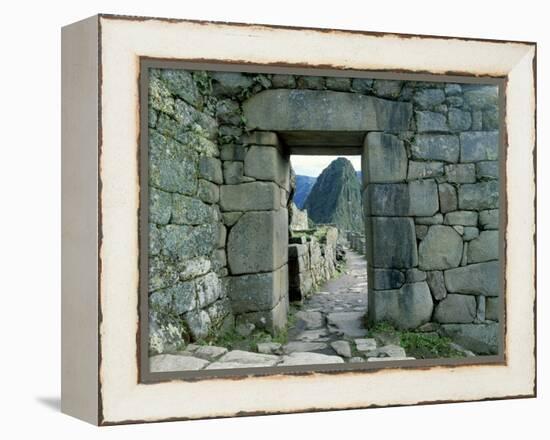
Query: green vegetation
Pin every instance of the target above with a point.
(233, 340)
(421, 345)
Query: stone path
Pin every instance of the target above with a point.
(328, 329)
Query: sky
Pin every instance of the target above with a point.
(314, 165)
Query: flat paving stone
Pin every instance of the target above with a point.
(311, 320)
(349, 323)
(173, 362)
(342, 348)
(298, 346)
(209, 352)
(365, 344)
(309, 358)
(247, 357)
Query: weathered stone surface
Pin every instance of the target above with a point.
(456, 309)
(421, 231)
(476, 279)
(385, 279)
(230, 218)
(171, 362)
(459, 120)
(491, 119)
(341, 348)
(440, 249)
(444, 147)
(478, 145)
(340, 84)
(208, 192)
(459, 229)
(470, 232)
(208, 289)
(436, 219)
(348, 323)
(408, 307)
(487, 169)
(481, 305)
(386, 158)
(461, 173)
(183, 241)
(230, 83)
(258, 242)
(448, 200)
(427, 98)
(394, 242)
(233, 172)
(423, 198)
(300, 346)
(283, 81)
(436, 282)
(430, 122)
(492, 309)
(259, 291)
(272, 320)
(387, 351)
(480, 338)
(362, 85)
(489, 219)
(334, 111)
(199, 323)
(260, 138)
(180, 83)
(190, 211)
(209, 352)
(270, 348)
(247, 357)
(311, 82)
(415, 275)
(480, 96)
(267, 163)
(477, 121)
(422, 170)
(308, 358)
(478, 196)
(390, 199)
(483, 248)
(387, 88)
(210, 168)
(233, 152)
(172, 167)
(252, 196)
(367, 344)
(309, 320)
(160, 97)
(464, 218)
(159, 206)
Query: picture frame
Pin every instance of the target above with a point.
(103, 163)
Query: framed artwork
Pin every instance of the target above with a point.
(262, 219)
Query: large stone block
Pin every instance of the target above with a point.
(478, 196)
(386, 158)
(255, 292)
(422, 170)
(456, 309)
(418, 198)
(448, 200)
(428, 98)
(423, 198)
(489, 219)
(431, 122)
(160, 203)
(210, 168)
(461, 173)
(267, 163)
(462, 218)
(478, 145)
(394, 242)
(190, 211)
(385, 279)
(480, 97)
(272, 320)
(492, 309)
(258, 242)
(483, 248)
(183, 241)
(459, 120)
(310, 110)
(444, 147)
(406, 308)
(475, 279)
(436, 282)
(252, 196)
(480, 338)
(440, 249)
(487, 169)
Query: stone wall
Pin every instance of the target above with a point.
(433, 204)
(219, 190)
(312, 260)
(187, 258)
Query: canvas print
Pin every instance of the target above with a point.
(304, 220)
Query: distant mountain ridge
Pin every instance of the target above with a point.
(303, 188)
(336, 196)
